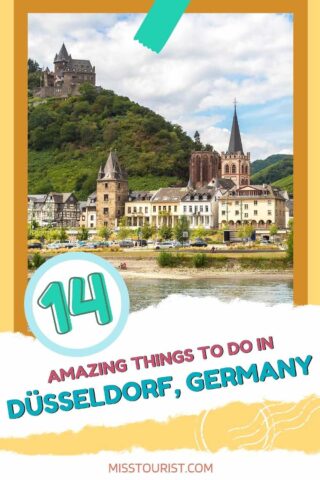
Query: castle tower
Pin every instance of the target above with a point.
(112, 192)
(235, 164)
(61, 60)
(203, 167)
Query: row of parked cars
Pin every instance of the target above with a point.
(122, 244)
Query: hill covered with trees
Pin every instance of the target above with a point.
(276, 169)
(70, 138)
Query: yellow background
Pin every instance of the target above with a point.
(180, 431)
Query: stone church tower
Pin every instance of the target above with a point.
(112, 193)
(235, 164)
(203, 167)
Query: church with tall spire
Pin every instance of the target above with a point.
(235, 164)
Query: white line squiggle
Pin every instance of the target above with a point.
(298, 426)
(290, 420)
(243, 427)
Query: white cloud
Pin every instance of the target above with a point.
(209, 60)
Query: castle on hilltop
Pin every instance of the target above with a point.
(68, 75)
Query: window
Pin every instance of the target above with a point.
(106, 197)
(119, 186)
(223, 212)
(201, 208)
(226, 169)
(154, 208)
(105, 185)
(246, 206)
(159, 208)
(269, 202)
(165, 208)
(140, 209)
(169, 208)
(118, 198)
(255, 212)
(190, 208)
(246, 215)
(269, 212)
(105, 224)
(91, 217)
(233, 168)
(175, 208)
(146, 209)
(237, 212)
(207, 208)
(83, 218)
(91, 225)
(237, 202)
(184, 208)
(255, 202)
(129, 209)
(106, 211)
(119, 212)
(134, 209)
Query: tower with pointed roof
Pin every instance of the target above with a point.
(112, 192)
(67, 77)
(235, 164)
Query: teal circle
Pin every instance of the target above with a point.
(32, 322)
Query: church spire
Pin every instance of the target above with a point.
(235, 143)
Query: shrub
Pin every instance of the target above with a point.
(36, 261)
(199, 260)
(166, 259)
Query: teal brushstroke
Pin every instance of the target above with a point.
(160, 22)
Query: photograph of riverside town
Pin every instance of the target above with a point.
(160, 182)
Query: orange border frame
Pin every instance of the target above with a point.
(21, 9)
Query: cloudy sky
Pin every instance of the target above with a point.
(209, 60)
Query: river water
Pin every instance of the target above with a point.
(144, 293)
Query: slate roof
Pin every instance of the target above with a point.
(169, 194)
(235, 143)
(112, 169)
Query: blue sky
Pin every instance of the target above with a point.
(209, 60)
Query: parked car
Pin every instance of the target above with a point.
(198, 242)
(58, 244)
(126, 244)
(163, 245)
(142, 243)
(35, 245)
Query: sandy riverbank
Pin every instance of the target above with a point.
(150, 269)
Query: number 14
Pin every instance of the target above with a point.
(54, 297)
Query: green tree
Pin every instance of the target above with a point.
(88, 92)
(199, 232)
(246, 231)
(273, 230)
(165, 232)
(83, 234)
(62, 236)
(123, 231)
(182, 226)
(197, 140)
(290, 243)
(69, 132)
(147, 231)
(105, 232)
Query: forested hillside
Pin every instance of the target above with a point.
(69, 139)
(276, 169)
